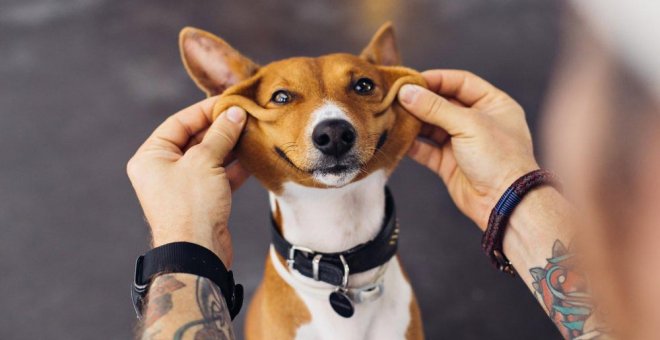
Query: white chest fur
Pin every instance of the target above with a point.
(335, 220)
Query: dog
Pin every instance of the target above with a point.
(323, 135)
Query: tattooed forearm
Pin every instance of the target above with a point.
(160, 298)
(183, 306)
(563, 292)
(215, 322)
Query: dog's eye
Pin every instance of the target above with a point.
(281, 97)
(363, 86)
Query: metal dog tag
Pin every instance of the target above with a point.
(341, 303)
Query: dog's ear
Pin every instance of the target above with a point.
(211, 62)
(382, 48)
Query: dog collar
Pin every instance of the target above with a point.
(335, 268)
(368, 292)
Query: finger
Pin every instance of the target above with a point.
(427, 155)
(196, 139)
(434, 109)
(177, 130)
(464, 86)
(434, 134)
(237, 175)
(224, 133)
(455, 102)
(230, 158)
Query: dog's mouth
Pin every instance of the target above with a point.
(325, 167)
(337, 170)
(336, 174)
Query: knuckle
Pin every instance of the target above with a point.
(224, 136)
(518, 108)
(132, 167)
(468, 74)
(435, 106)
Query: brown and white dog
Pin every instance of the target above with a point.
(323, 135)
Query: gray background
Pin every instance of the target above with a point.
(82, 83)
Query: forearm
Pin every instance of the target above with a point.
(538, 243)
(184, 306)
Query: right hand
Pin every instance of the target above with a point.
(478, 140)
(184, 175)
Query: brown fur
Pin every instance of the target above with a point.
(276, 311)
(257, 147)
(415, 328)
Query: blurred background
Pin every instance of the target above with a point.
(83, 83)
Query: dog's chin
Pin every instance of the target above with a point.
(335, 177)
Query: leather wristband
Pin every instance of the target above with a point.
(499, 216)
(188, 258)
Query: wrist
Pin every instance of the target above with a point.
(498, 190)
(513, 175)
(183, 258)
(219, 244)
(539, 219)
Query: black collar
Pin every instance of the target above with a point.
(334, 268)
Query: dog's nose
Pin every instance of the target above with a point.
(334, 137)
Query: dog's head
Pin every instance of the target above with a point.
(321, 122)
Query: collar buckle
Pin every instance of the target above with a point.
(344, 279)
(315, 266)
(290, 261)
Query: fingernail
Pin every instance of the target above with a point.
(407, 93)
(236, 114)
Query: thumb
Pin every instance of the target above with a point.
(434, 109)
(223, 134)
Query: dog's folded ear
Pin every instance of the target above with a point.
(211, 62)
(382, 48)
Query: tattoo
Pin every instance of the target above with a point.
(160, 298)
(215, 322)
(562, 290)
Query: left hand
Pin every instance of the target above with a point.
(184, 175)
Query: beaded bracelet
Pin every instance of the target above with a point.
(499, 216)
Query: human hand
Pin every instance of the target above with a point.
(184, 175)
(477, 138)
